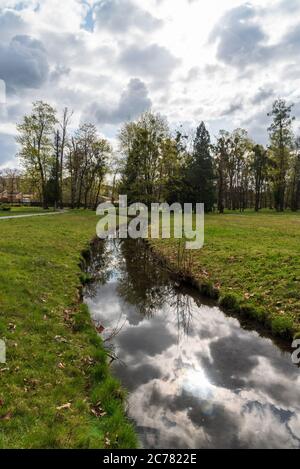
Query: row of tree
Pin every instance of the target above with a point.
(233, 173)
(155, 165)
(61, 166)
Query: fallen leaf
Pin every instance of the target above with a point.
(7, 416)
(65, 406)
(100, 328)
(61, 366)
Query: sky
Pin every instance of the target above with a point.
(222, 61)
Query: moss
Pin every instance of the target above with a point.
(282, 326)
(253, 312)
(230, 302)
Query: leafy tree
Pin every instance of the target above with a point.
(259, 167)
(281, 141)
(35, 138)
(142, 144)
(295, 189)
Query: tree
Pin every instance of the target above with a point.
(281, 140)
(259, 167)
(141, 143)
(87, 165)
(35, 138)
(63, 142)
(295, 189)
(222, 149)
(200, 175)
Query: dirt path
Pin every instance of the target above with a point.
(32, 215)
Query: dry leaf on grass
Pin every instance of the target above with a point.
(65, 406)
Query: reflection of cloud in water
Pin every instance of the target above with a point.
(197, 381)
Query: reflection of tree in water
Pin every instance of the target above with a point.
(142, 282)
(182, 304)
(103, 264)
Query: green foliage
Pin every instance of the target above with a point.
(230, 302)
(5, 208)
(282, 326)
(200, 175)
(281, 138)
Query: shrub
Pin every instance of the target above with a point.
(4, 208)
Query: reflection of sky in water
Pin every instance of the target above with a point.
(213, 385)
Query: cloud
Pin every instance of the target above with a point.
(240, 38)
(23, 63)
(236, 105)
(133, 101)
(11, 24)
(153, 60)
(8, 148)
(119, 16)
(262, 95)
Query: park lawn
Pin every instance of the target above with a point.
(15, 211)
(252, 261)
(56, 389)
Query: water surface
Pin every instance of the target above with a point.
(196, 378)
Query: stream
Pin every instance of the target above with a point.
(196, 377)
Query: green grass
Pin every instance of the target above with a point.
(54, 355)
(253, 260)
(14, 211)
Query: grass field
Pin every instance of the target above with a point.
(56, 388)
(14, 211)
(253, 262)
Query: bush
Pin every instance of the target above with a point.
(4, 208)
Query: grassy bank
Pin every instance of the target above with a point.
(56, 388)
(252, 263)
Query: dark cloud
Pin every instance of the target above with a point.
(138, 375)
(153, 60)
(146, 340)
(236, 105)
(262, 95)
(11, 24)
(8, 148)
(240, 39)
(121, 15)
(133, 101)
(23, 63)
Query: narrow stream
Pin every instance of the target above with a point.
(196, 378)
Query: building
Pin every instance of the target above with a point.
(15, 197)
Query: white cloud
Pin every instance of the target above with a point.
(223, 61)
